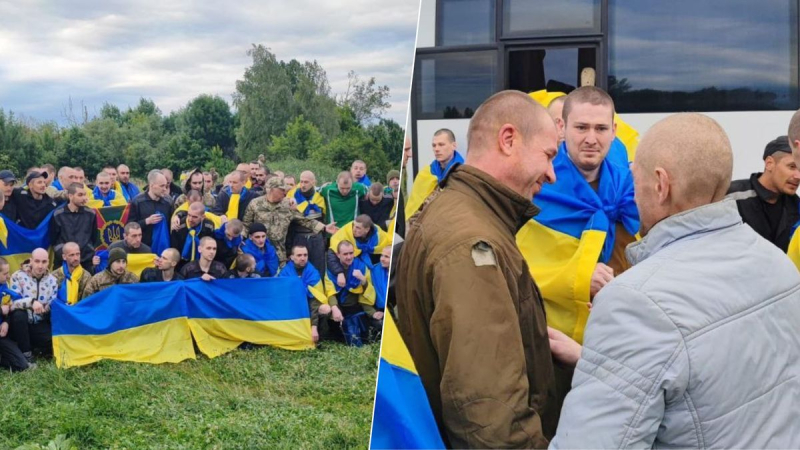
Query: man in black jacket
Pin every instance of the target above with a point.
(33, 204)
(193, 227)
(237, 180)
(376, 205)
(768, 201)
(145, 208)
(74, 222)
(7, 182)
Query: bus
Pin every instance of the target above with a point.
(734, 60)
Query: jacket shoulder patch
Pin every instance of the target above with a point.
(483, 255)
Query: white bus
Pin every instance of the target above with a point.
(735, 60)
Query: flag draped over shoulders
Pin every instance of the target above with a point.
(314, 206)
(366, 293)
(378, 239)
(380, 279)
(426, 181)
(310, 278)
(17, 242)
(573, 232)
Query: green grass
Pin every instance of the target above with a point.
(262, 398)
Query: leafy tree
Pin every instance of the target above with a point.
(365, 98)
(181, 152)
(298, 141)
(352, 145)
(389, 136)
(219, 162)
(79, 150)
(208, 120)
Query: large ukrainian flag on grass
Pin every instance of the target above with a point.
(17, 242)
(573, 232)
(403, 417)
(155, 322)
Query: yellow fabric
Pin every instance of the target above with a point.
(119, 200)
(191, 236)
(137, 262)
(366, 293)
(794, 248)
(3, 233)
(248, 184)
(316, 199)
(545, 98)
(346, 234)
(118, 190)
(318, 291)
(233, 207)
(424, 185)
(562, 267)
(217, 336)
(167, 341)
(215, 219)
(393, 349)
(73, 285)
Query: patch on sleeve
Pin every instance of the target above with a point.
(483, 255)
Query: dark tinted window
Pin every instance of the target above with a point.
(712, 55)
(453, 85)
(466, 22)
(554, 69)
(551, 17)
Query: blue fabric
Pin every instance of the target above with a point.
(310, 208)
(368, 246)
(310, 278)
(354, 329)
(57, 184)
(571, 206)
(103, 255)
(351, 281)
(186, 253)
(441, 173)
(365, 180)
(23, 240)
(160, 235)
(220, 234)
(129, 191)
(112, 195)
(380, 280)
(267, 262)
(241, 194)
(403, 416)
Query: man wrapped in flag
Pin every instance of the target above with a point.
(71, 277)
(257, 245)
(576, 245)
(380, 278)
(298, 266)
(103, 195)
(446, 156)
(192, 227)
(369, 241)
(353, 302)
(305, 196)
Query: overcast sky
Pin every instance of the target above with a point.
(174, 50)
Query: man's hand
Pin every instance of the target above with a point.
(154, 219)
(96, 261)
(336, 314)
(293, 202)
(563, 347)
(5, 309)
(324, 309)
(314, 334)
(600, 278)
(207, 277)
(331, 228)
(360, 276)
(38, 308)
(340, 280)
(176, 223)
(223, 219)
(378, 315)
(3, 329)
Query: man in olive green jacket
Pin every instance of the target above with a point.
(469, 311)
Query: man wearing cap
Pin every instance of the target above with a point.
(277, 214)
(259, 247)
(7, 182)
(33, 204)
(193, 227)
(74, 222)
(393, 182)
(767, 201)
(115, 273)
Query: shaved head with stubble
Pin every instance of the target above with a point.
(684, 161)
(512, 138)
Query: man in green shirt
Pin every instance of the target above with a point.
(341, 199)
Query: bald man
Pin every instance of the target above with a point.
(685, 347)
(468, 309)
(30, 315)
(192, 226)
(556, 109)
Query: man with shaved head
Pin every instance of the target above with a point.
(233, 200)
(685, 346)
(468, 309)
(29, 317)
(128, 187)
(192, 226)
(72, 273)
(165, 269)
(151, 207)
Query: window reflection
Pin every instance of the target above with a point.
(715, 55)
(548, 17)
(453, 85)
(466, 22)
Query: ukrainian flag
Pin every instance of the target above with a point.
(794, 247)
(374, 245)
(311, 280)
(17, 242)
(366, 293)
(267, 311)
(402, 417)
(316, 205)
(575, 229)
(215, 219)
(426, 181)
(137, 262)
(135, 322)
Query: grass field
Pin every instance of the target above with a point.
(261, 398)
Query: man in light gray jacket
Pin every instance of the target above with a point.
(698, 344)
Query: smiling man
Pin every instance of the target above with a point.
(767, 201)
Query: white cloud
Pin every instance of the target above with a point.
(172, 51)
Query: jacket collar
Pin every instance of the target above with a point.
(704, 219)
(511, 208)
(762, 192)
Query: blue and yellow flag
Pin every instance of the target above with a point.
(402, 417)
(794, 246)
(366, 293)
(113, 198)
(310, 278)
(316, 205)
(215, 219)
(574, 231)
(155, 322)
(373, 246)
(17, 242)
(380, 279)
(426, 181)
(137, 262)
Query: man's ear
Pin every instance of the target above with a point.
(769, 164)
(662, 185)
(505, 138)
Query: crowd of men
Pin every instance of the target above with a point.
(680, 325)
(253, 223)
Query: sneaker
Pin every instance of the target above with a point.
(28, 356)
